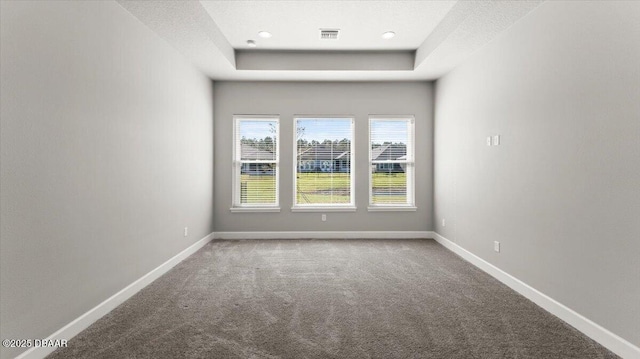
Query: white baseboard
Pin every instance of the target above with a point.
(85, 320)
(603, 336)
(593, 330)
(324, 235)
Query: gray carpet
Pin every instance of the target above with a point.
(329, 299)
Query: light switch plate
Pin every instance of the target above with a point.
(489, 141)
(496, 140)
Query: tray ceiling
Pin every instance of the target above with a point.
(432, 37)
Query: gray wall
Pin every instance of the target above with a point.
(298, 98)
(562, 191)
(106, 154)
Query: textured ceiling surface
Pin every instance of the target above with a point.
(441, 34)
(295, 24)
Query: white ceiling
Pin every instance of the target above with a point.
(296, 24)
(439, 35)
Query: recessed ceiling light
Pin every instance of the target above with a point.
(251, 43)
(388, 35)
(264, 34)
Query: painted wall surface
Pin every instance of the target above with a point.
(562, 190)
(106, 155)
(287, 99)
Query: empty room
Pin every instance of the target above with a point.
(320, 179)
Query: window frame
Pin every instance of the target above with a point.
(410, 165)
(236, 166)
(335, 207)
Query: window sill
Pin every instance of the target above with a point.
(392, 208)
(254, 209)
(323, 209)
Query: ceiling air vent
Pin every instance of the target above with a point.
(327, 34)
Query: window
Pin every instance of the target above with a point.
(391, 161)
(255, 172)
(323, 177)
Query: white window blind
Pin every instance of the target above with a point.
(323, 155)
(256, 161)
(391, 160)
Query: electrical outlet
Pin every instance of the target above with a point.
(496, 246)
(496, 140)
(324, 217)
(489, 141)
(444, 223)
(186, 231)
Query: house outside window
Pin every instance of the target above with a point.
(391, 162)
(323, 179)
(255, 164)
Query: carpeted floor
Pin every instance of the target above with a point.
(329, 299)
